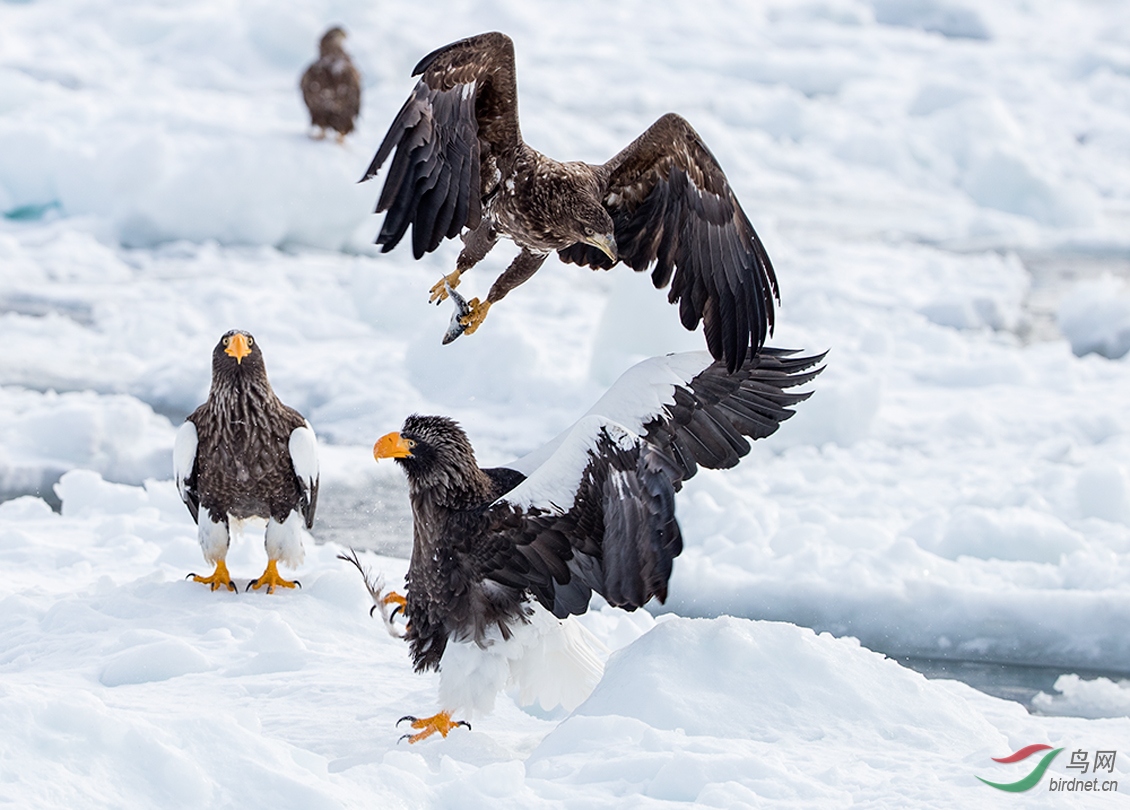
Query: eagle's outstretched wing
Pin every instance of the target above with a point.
(597, 510)
(451, 136)
(673, 208)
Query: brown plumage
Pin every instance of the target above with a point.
(461, 168)
(244, 454)
(331, 87)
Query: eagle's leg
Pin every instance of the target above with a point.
(519, 271)
(271, 578)
(214, 540)
(428, 726)
(476, 245)
(283, 542)
(219, 578)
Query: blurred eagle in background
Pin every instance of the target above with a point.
(331, 88)
(461, 168)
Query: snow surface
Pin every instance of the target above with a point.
(958, 485)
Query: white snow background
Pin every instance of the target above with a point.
(944, 188)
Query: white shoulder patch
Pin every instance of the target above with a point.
(304, 455)
(642, 393)
(184, 457)
(553, 483)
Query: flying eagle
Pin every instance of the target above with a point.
(331, 87)
(461, 168)
(502, 557)
(241, 455)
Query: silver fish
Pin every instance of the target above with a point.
(455, 328)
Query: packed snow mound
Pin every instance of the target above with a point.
(1091, 697)
(45, 435)
(742, 692)
(705, 712)
(1095, 317)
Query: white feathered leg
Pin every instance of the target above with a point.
(214, 540)
(283, 543)
(284, 540)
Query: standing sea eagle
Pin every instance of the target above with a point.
(502, 557)
(243, 454)
(461, 163)
(331, 87)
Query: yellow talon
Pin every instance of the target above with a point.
(439, 289)
(393, 598)
(428, 726)
(219, 579)
(473, 319)
(271, 578)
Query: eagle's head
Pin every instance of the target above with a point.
(573, 203)
(594, 227)
(237, 355)
(433, 450)
(331, 42)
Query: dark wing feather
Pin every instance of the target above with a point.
(452, 137)
(308, 502)
(675, 212)
(714, 413)
(618, 538)
(191, 496)
(620, 527)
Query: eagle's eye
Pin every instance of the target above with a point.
(250, 341)
(588, 231)
(410, 443)
(227, 340)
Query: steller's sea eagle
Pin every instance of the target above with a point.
(331, 87)
(243, 455)
(502, 557)
(461, 168)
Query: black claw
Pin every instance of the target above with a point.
(395, 610)
(190, 576)
(464, 723)
(249, 584)
(374, 607)
(231, 587)
(297, 584)
(402, 738)
(407, 717)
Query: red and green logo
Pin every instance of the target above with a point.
(1029, 781)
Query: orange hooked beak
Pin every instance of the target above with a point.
(393, 445)
(238, 347)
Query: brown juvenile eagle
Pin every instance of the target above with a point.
(242, 455)
(461, 163)
(502, 557)
(331, 88)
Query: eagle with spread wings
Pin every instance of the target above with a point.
(462, 169)
(502, 557)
